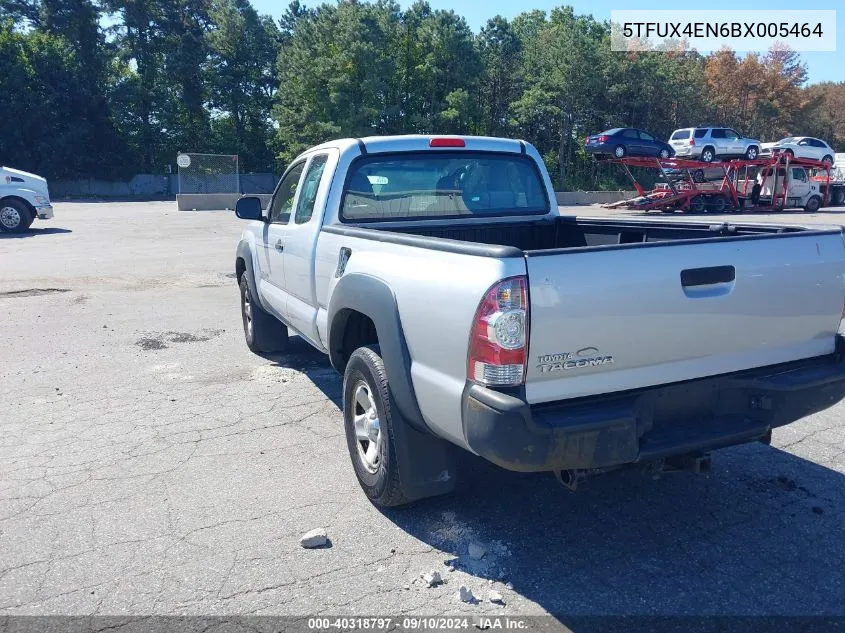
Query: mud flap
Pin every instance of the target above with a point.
(426, 463)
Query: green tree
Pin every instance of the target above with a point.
(243, 47)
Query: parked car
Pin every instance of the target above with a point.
(464, 311)
(627, 141)
(23, 197)
(710, 143)
(802, 147)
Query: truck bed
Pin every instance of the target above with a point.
(576, 232)
(617, 305)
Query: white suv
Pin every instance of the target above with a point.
(709, 143)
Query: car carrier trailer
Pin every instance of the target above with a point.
(773, 183)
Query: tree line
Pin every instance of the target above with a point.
(109, 88)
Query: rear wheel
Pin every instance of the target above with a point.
(697, 205)
(813, 204)
(15, 216)
(837, 196)
(373, 434)
(620, 151)
(718, 204)
(263, 332)
(708, 154)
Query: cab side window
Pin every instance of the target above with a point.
(282, 205)
(310, 185)
(799, 174)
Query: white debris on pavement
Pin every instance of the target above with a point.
(496, 597)
(465, 594)
(315, 538)
(432, 578)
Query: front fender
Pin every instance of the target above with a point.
(245, 251)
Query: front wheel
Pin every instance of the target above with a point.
(664, 153)
(263, 332)
(828, 159)
(751, 153)
(813, 204)
(15, 216)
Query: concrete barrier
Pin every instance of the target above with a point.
(214, 201)
(570, 198)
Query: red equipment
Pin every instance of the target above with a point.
(683, 190)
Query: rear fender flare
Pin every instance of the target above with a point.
(373, 298)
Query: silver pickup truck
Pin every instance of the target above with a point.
(464, 311)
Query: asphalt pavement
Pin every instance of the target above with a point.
(150, 464)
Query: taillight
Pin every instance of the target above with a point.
(603, 138)
(692, 140)
(447, 142)
(499, 336)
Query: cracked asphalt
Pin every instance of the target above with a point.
(150, 464)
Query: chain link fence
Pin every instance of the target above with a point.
(208, 173)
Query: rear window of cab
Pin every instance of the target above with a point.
(430, 185)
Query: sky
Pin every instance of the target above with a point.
(820, 66)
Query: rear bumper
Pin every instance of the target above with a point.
(648, 424)
(44, 212)
(687, 151)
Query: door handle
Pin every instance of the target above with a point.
(707, 276)
(279, 246)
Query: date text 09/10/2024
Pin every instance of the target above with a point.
(417, 623)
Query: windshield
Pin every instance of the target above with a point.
(438, 185)
(789, 139)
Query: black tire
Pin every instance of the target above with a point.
(267, 334)
(813, 204)
(752, 153)
(15, 216)
(620, 151)
(789, 153)
(708, 154)
(717, 204)
(697, 205)
(828, 159)
(378, 478)
(664, 153)
(698, 175)
(837, 196)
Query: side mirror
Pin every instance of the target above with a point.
(248, 208)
